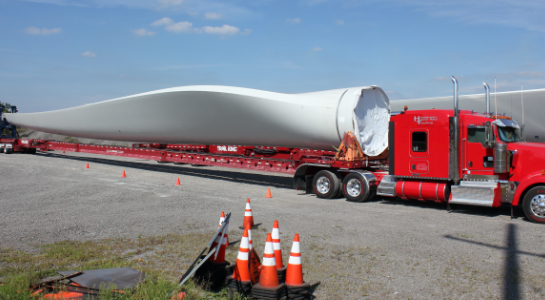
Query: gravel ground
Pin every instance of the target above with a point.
(383, 248)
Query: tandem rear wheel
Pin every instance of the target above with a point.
(356, 188)
(326, 184)
(534, 204)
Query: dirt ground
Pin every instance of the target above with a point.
(385, 248)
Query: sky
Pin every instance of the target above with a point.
(62, 53)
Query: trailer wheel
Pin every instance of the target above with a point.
(356, 187)
(8, 150)
(340, 193)
(534, 204)
(326, 184)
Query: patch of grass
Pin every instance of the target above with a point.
(70, 139)
(163, 259)
(21, 129)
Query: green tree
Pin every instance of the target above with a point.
(5, 106)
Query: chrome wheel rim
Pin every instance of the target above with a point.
(537, 205)
(323, 184)
(353, 187)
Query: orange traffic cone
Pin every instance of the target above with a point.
(213, 272)
(241, 272)
(268, 193)
(178, 183)
(294, 274)
(269, 286)
(297, 288)
(87, 166)
(268, 277)
(123, 174)
(63, 152)
(276, 245)
(248, 217)
(241, 281)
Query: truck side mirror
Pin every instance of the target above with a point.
(489, 133)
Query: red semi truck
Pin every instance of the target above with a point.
(445, 156)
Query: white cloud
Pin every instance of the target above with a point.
(163, 21)
(223, 30)
(293, 21)
(339, 22)
(316, 49)
(187, 27)
(42, 31)
(88, 54)
(143, 32)
(212, 16)
(180, 27)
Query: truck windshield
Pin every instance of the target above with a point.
(508, 134)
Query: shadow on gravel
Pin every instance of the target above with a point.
(256, 179)
(490, 212)
(511, 269)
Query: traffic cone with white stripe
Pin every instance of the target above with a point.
(268, 287)
(212, 274)
(241, 272)
(268, 276)
(248, 217)
(297, 288)
(240, 281)
(281, 270)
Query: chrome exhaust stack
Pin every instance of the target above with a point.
(455, 95)
(487, 90)
(454, 137)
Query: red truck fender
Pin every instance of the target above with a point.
(526, 183)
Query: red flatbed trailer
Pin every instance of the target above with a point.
(269, 159)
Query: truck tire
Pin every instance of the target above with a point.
(355, 188)
(534, 204)
(326, 184)
(8, 150)
(340, 193)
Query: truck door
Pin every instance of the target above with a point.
(419, 152)
(476, 156)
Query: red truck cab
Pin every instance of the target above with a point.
(464, 158)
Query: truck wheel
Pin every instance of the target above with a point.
(534, 204)
(355, 187)
(326, 184)
(8, 150)
(340, 193)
